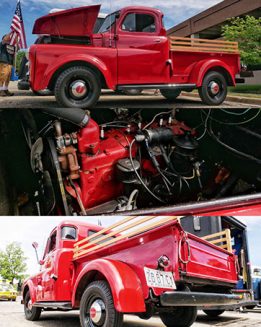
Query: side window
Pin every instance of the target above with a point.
(52, 242)
(68, 233)
(139, 23)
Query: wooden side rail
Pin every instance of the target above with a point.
(221, 239)
(130, 226)
(202, 45)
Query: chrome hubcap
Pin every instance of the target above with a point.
(214, 88)
(78, 89)
(97, 312)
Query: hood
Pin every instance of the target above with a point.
(72, 22)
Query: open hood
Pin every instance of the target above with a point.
(72, 22)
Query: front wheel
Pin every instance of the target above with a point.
(31, 313)
(214, 88)
(170, 94)
(180, 317)
(97, 307)
(77, 87)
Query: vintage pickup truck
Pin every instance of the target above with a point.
(140, 265)
(130, 51)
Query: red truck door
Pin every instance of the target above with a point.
(45, 287)
(143, 48)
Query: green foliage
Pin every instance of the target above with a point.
(19, 57)
(12, 262)
(247, 32)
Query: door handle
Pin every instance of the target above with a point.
(157, 41)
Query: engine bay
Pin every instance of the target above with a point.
(138, 160)
(120, 160)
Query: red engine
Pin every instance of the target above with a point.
(101, 170)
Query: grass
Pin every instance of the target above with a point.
(250, 89)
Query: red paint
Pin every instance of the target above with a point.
(122, 266)
(129, 58)
(97, 157)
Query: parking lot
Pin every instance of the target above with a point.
(11, 315)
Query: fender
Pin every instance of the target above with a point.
(63, 60)
(124, 283)
(32, 290)
(200, 69)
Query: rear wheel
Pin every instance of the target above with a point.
(180, 317)
(97, 307)
(31, 313)
(214, 88)
(77, 87)
(170, 94)
(213, 313)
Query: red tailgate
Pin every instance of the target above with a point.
(208, 261)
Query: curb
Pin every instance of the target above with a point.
(231, 98)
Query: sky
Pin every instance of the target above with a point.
(26, 230)
(175, 11)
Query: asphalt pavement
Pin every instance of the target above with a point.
(11, 315)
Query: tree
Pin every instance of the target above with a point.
(247, 32)
(12, 262)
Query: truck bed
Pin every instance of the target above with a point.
(192, 258)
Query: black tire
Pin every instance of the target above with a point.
(180, 317)
(213, 313)
(170, 94)
(214, 88)
(33, 313)
(132, 91)
(250, 307)
(45, 92)
(66, 90)
(98, 293)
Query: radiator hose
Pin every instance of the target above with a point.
(77, 116)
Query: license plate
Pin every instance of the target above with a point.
(158, 278)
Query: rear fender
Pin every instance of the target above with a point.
(202, 67)
(124, 283)
(29, 285)
(85, 59)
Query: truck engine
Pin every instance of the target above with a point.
(132, 162)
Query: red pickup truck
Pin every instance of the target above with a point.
(130, 51)
(140, 265)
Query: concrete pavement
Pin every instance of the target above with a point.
(11, 315)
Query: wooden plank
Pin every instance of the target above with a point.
(103, 237)
(104, 230)
(202, 40)
(194, 49)
(125, 236)
(204, 45)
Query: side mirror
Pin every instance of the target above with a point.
(35, 246)
(41, 262)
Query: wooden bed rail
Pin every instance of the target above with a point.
(131, 226)
(202, 45)
(221, 239)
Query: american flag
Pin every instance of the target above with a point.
(17, 28)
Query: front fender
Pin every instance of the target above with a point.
(124, 283)
(200, 69)
(67, 59)
(29, 284)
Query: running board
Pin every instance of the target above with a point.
(54, 305)
(157, 86)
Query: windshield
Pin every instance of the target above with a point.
(108, 22)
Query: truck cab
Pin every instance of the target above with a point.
(130, 51)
